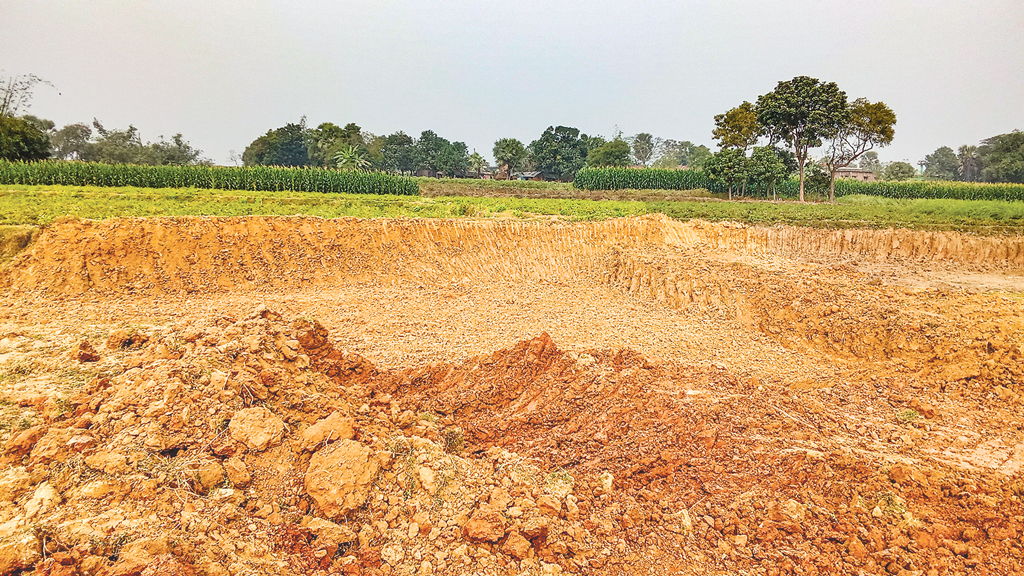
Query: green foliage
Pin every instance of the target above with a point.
(802, 112)
(1003, 158)
(644, 179)
(264, 178)
(285, 146)
(350, 157)
(510, 152)
(657, 179)
(561, 152)
(614, 153)
(737, 128)
(21, 140)
(942, 165)
(907, 416)
(642, 148)
(728, 166)
(898, 171)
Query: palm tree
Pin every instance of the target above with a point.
(351, 157)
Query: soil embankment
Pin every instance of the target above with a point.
(190, 254)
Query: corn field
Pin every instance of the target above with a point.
(255, 178)
(656, 179)
(644, 179)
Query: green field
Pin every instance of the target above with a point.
(40, 205)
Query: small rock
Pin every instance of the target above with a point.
(13, 483)
(339, 477)
(43, 499)
(99, 488)
(329, 533)
(108, 462)
(605, 482)
(549, 506)
(428, 479)
(856, 548)
(19, 552)
(516, 546)
(257, 428)
(208, 476)
(485, 525)
(237, 471)
(334, 427)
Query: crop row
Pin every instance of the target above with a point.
(657, 179)
(256, 178)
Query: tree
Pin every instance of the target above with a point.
(72, 142)
(802, 112)
(614, 153)
(869, 161)
(728, 165)
(453, 160)
(767, 168)
(350, 157)
(16, 93)
(399, 153)
(642, 148)
(477, 163)
(285, 146)
(1003, 158)
(20, 140)
(969, 163)
(737, 128)
(697, 157)
(430, 146)
(510, 153)
(115, 146)
(42, 124)
(942, 164)
(867, 125)
(899, 171)
(561, 151)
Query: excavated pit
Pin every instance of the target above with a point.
(635, 396)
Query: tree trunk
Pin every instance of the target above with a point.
(801, 181)
(730, 191)
(832, 187)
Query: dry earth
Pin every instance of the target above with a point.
(638, 396)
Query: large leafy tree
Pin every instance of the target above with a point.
(1003, 158)
(561, 151)
(453, 159)
(899, 171)
(614, 153)
(802, 112)
(113, 146)
(20, 140)
(868, 125)
(430, 146)
(510, 153)
(399, 153)
(942, 164)
(476, 163)
(72, 142)
(285, 146)
(737, 128)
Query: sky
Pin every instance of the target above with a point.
(223, 73)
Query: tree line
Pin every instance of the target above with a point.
(759, 143)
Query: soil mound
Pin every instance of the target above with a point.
(256, 445)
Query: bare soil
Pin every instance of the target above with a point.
(637, 396)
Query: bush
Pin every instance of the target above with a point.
(256, 178)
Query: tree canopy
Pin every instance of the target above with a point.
(1003, 157)
(561, 151)
(868, 125)
(942, 164)
(613, 153)
(737, 128)
(510, 153)
(21, 140)
(802, 112)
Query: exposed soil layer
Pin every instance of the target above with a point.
(639, 396)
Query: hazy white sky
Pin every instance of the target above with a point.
(223, 73)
